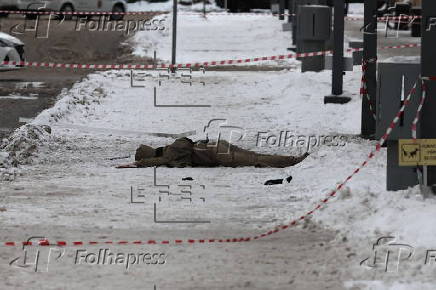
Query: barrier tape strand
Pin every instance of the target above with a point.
(190, 65)
(364, 87)
(418, 111)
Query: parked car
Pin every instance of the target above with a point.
(67, 6)
(11, 49)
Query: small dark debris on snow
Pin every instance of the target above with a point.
(277, 181)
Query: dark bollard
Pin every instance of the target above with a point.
(282, 9)
(369, 54)
(416, 24)
(428, 69)
(395, 81)
(313, 30)
(357, 55)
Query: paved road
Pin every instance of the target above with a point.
(65, 45)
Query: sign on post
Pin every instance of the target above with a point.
(417, 152)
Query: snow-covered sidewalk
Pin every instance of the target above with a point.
(217, 37)
(104, 117)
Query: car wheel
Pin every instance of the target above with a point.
(69, 9)
(117, 9)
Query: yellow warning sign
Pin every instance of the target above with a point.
(417, 152)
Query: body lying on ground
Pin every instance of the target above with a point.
(186, 153)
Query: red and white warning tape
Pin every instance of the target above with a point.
(45, 12)
(401, 17)
(151, 66)
(86, 13)
(277, 229)
(398, 116)
(197, 64)
(364, 87)
(418, 112)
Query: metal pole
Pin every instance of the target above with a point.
(428, 67)
(290, 12)
(368, 125)
(173, 55)
(204, 8)
(281, 9)
(294, 22)
(338, 51)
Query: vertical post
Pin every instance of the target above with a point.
(174, 46)
(290, 12)
(204, 8)
(428, 67)
(368, 125)
(281, 9)
(294, 21)
(338, 51)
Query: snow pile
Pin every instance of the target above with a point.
(22, 144)
(79, 98)
(218, 37)
(365, 209)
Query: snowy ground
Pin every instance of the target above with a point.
(218, 37)
(80, 188)
(168, 6)
(71, 191)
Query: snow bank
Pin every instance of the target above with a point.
(21, 148)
